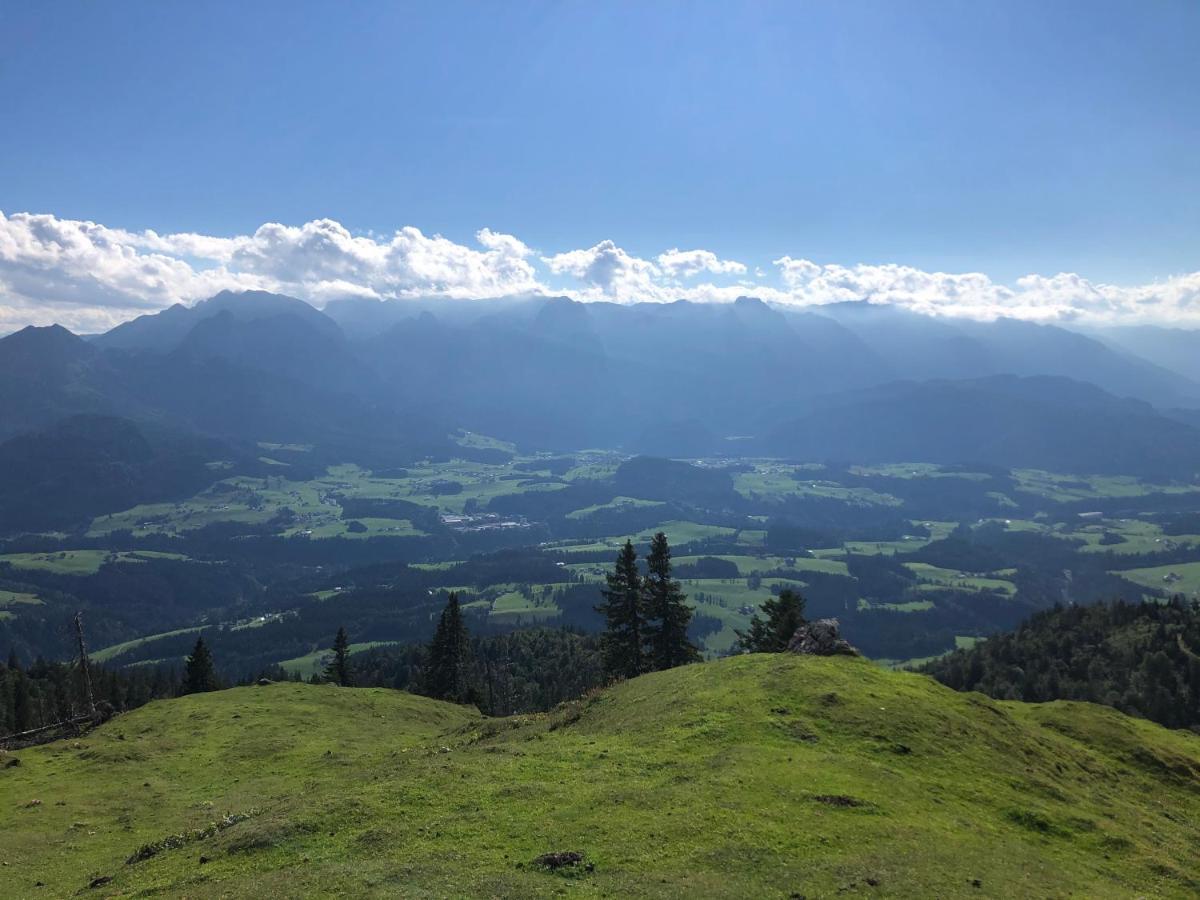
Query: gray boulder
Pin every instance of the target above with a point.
(820, 638)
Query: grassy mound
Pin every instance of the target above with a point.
(763, 776)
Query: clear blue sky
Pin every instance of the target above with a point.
(1007, 137)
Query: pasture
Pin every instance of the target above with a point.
(1180, 578)
(933, 578)
(81, 562)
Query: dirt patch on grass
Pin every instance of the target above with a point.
(842, 801)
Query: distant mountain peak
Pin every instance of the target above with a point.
(49, 343)
(43, 334)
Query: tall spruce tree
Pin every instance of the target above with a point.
(22, 714)
(622, 644)
(666, 610)
(338, 670)
(784, 614)
(446, 674)
(199, 675)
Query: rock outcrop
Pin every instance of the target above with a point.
(821, 637)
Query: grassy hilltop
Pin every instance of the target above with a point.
(764, 776)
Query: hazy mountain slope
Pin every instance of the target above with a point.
(754, 776)
(49, 373)
(919, 347)
(522, 384)
(1042, 422)
(86, 465)
(1027, 348)
(1177, 349)
(164, 331)
(672, 379)
(243, 366)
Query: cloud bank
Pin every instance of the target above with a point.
(90, 277)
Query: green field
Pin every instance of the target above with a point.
(617, 503)
(757, 776)
(111, 652)
(314, 663)
(773, 481)
(678, 533)
(81, 562)
(483, 442)
(750, 565)
(931, 577)
(514, 605)
(1064, 488)
(15, 598)
(1186, 580)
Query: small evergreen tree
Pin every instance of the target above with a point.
(784, 614)
(22, 714)
(666, 610)
(446, 672)
(199, 675)
(624, 634)
(338, 670)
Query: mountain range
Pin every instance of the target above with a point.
(376, 380)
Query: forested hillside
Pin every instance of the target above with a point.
(1140, 658)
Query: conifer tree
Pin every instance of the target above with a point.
(784, 614)
(22, 715)
(446, 673)
(198, 674)
(624, 635)
(666, 610)
(338, 670)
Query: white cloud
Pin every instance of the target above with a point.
(1064, 297)
(89, 277)
(687, 263)
(609, 272)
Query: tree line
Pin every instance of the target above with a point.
(45, 693)
(1140, 658)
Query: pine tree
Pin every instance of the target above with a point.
(338, 670)
(446, 672)
(784, 614)
(666, 610)
(6, 702)
(624, 635)
(198, 674)
(22, 703)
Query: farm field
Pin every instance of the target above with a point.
(81, 562)
(17, 598)
(1065, 488)
(758, 565)
(830, 515)
(931, 577)
(106, 653)
(1181, 578)
(773, 481)
(617, 503)
(313, 663)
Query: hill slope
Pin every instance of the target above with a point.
(1038, 422)
(1135, 657)
(769, 776)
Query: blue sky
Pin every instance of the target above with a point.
(1005, 138)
